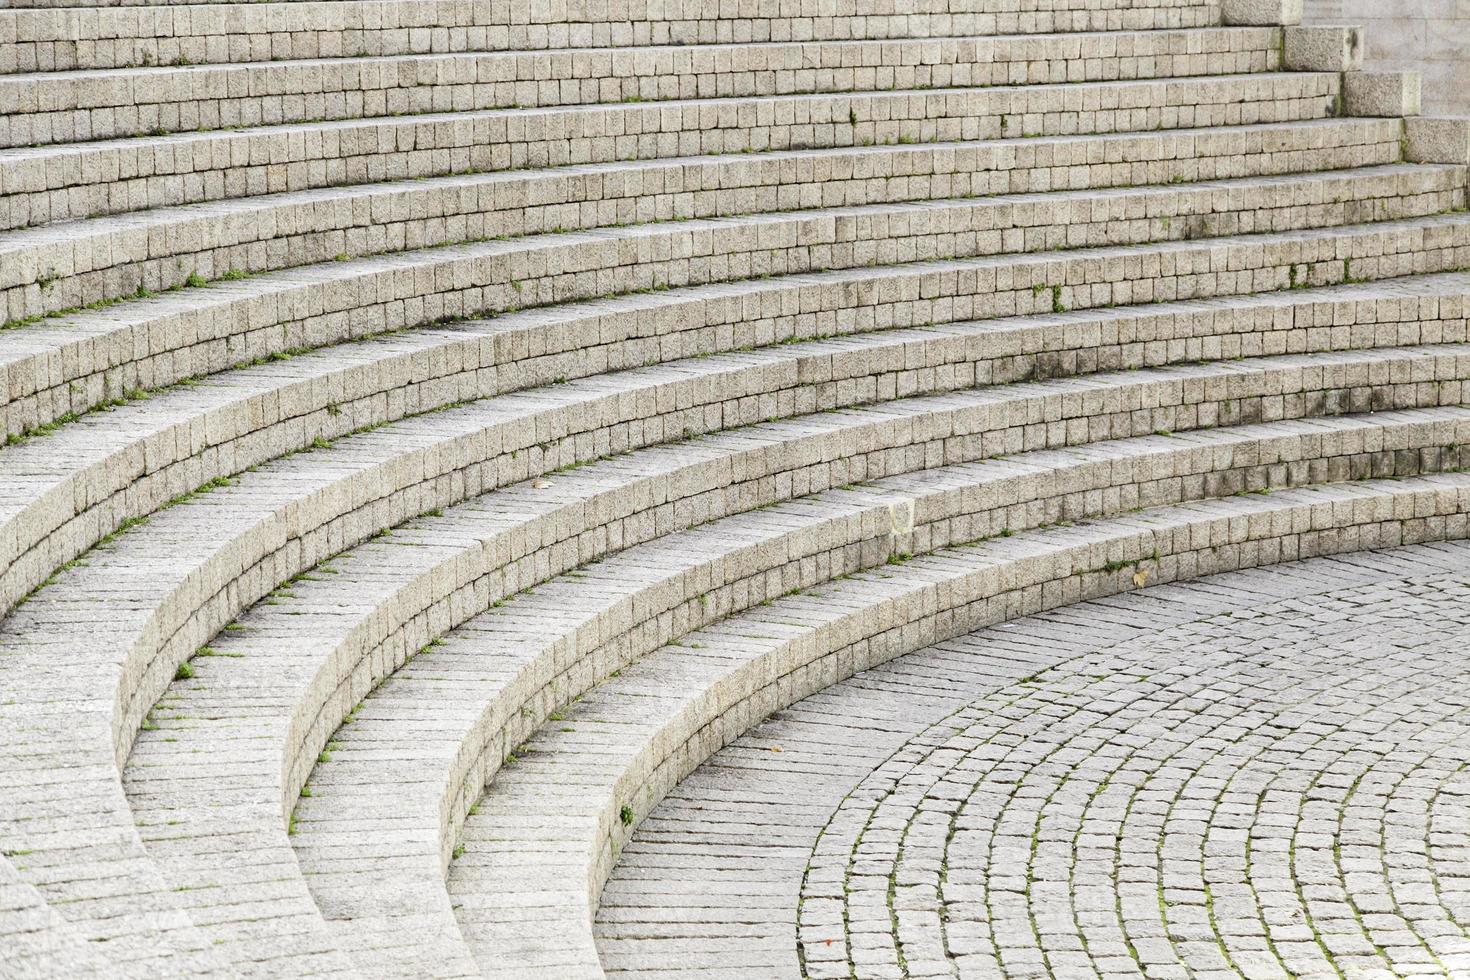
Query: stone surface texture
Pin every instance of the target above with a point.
(738, 488)
(1427, 36)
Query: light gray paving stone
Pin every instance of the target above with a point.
(37, 939)
(438, 729)
(70, 181)
(75, 106)
(1281, 712)
(557, 815)
(73, 264)
(195, 565)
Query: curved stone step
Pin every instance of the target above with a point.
(74, 264)
(91, 654)
(711, 882)
(71, 181)
(38, 941)
(1331, 722)
(55, 522)
(75, 362)
(548, 829)
(74, 106)
(534, 270)
(440, 726)
(118, 34)
(85, 672)
(316, 689)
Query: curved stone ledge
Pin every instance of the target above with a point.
(544, 838)
(85, 670)
(434, 735)
(47, 937)
(715, 874)
(75, 363)
(79, 180)
(57, 515)
(75, 106)
(64, 266)
(110, 34)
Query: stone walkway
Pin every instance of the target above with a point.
(1260, 774)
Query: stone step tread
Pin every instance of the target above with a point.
(106, 265)
(179, 538)
(372, 827)
(66, 34)
(1176, 89)
(29, 465)
(699, 886)
(66, 107)
(66, 454)
(166, 776)
(1106, 208)
(700, 172)
(37, 938)
(555, 64)
(66, 181)
(554, 816)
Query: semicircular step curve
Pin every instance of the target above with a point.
(187, 575)
(380, 816)
(68, 523)
(459, 314)
(789, 814)
(81, 105)
(545, 835)
(58, 267)
(56, 183)
(111, 33)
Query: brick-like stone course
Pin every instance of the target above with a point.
(95, 105)
(112, 35)
(630, 741)
(351, 345)
(68, 181)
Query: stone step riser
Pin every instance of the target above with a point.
(289, 546)
(67, 182)
(270, 548)
(314, 306)
(578, 799)
(79, 106)
(509, 676)
(54, 523)
(64, 267)
(93, 36)
(47, 938)
(350, 497)
(288, 519)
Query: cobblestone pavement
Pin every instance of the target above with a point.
(1261, 774)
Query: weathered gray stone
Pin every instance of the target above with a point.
(390, 383)
(1437, 139)
(1381, 93)
(1261, 11)
(1323, 48)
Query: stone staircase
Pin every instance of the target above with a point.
(433, 428)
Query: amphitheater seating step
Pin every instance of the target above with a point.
(434, 429)
(64, 107)
(549, 828)
(378, 802)
(75, 180)
(710, 884)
